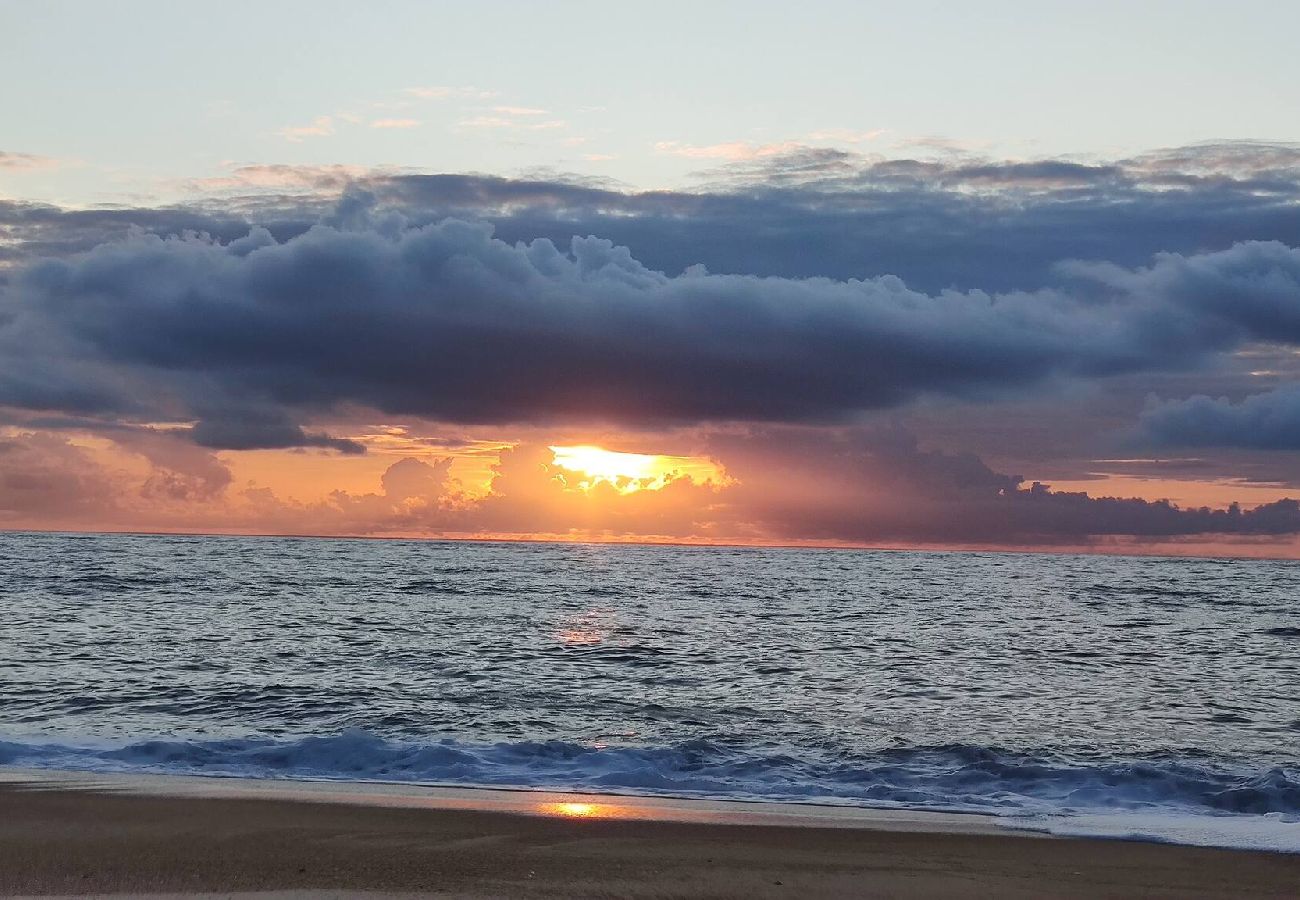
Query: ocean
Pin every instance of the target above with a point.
(1115, 696)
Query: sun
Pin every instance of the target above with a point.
(629, 472)
(607, 465)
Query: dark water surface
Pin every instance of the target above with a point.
(1018, 684)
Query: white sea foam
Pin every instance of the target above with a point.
(1274, 832)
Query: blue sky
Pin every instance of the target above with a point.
(126, 101)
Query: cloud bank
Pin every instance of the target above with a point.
(952, 221)
(1268, 421)
(447, 322)
(860, 486)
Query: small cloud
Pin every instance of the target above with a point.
(17, 162)
(733, 151)
(430, 93)
(395, 123)
(321, 126)
(446, 93)
(491, 122)
(519, 111)
(485, 122)
(280, 177)
(598, 157)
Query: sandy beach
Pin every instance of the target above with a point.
(81, 835)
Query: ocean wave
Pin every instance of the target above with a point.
(956, 777)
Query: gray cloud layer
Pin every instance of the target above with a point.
(446, 322)
(874, 486)
(958, 222)
(1268, 421)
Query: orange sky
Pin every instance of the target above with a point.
(477, 487)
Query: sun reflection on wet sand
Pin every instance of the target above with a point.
(579, 810)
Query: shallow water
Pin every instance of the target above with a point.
(1017, 684)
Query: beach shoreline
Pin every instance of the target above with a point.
(64, 833)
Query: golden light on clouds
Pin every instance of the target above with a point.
(630, 472)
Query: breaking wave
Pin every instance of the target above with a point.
(955, 778)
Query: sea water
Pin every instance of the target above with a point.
(1120, 696)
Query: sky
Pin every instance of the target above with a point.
(1023, 276)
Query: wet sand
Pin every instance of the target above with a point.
(193, 837)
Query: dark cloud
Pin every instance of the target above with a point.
(259, 429)
(935, 224)
(873, 486)
(47, 476)
(1268, 421)
(178, 470)
(21, 161)
(39, 230)
(956, 221)
(445, 322)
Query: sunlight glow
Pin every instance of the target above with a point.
(574, 810)
(629, 472)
